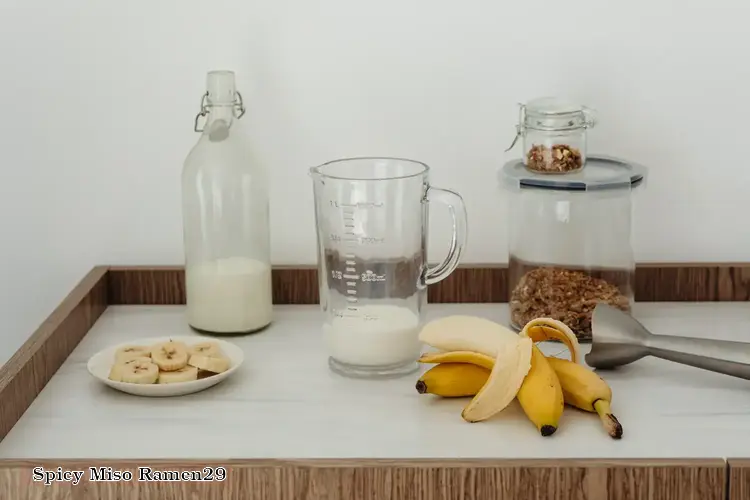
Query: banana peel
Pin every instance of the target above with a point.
(544, 329)
(512, 364)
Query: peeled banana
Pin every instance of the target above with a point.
(453, 380)
(474, 358)
(585, 390)
(541, 395)
(467, 333)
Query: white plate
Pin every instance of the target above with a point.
(101, 362)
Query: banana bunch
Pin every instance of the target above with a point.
(484, 360)
(167, 363)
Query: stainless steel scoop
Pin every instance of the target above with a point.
(618, 339)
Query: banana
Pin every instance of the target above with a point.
(473, 358)
(512, 364)
(585, 390)
(115, 373)
(467, 333)
(541, 395)
(214, 364)
(542, 329)
(140, 372)
(170, 356)
(453, 380)
(184, 374)
(207, 348)
(131, 352)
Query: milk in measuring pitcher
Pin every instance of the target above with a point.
(229, 295)
(377, 335)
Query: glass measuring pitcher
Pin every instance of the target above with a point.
(372, 224)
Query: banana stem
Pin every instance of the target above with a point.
(610, 422)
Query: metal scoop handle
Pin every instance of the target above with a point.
(722, 356)
(618, 339)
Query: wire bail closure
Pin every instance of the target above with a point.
(239, 109)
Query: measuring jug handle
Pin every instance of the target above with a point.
(458, 240)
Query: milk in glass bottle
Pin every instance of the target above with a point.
(225, 220)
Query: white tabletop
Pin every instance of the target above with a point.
(285, 403)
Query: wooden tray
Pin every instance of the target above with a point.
(507, 475)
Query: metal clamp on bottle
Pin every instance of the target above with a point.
(239, 109)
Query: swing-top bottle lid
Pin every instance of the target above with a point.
(220, 85)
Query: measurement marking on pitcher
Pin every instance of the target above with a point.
(361, 204)
(351, 269)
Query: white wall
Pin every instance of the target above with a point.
(98, 100)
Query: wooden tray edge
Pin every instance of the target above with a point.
(437, 480)
(739, 478)
(26, 373)
(471, 283)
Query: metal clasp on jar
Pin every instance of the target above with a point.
(589, 121)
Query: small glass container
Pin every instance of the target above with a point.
(553, 133)
(570, 242)
(225, 208)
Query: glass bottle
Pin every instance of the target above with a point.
(225, 220)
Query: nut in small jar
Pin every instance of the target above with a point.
(558, 159)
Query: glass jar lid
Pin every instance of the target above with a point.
(555, 114)
(601, 172)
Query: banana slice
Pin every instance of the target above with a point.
(214, 364)
(184, 374)
(115, 373)
(170, 356)
(140, 372)
(132, 352)
(542, 329)
(206, 348)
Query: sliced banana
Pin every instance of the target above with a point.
(132, 352)
(115, 373)
(214, 364)
(206, 348)
(139, 372)
(170, 356)
(184, 374)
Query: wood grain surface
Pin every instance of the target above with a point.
(27, 372)
(299, 285)
(385, 480)
(739, 479)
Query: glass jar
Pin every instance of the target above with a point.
(225, 220)
(553, 133)
(570, 242)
